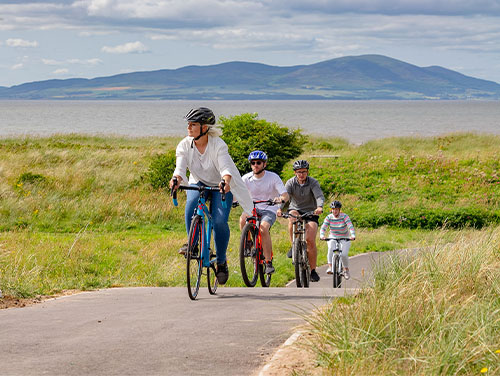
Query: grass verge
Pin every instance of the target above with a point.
(438, 313)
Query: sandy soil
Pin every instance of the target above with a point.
(7, 301)
(292, 358)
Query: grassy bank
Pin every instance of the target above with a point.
(436, 314)
(77, 212)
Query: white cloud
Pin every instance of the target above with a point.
(127, 48)
(17, 66)
(61, 71)
(16, 42)
(88, 62)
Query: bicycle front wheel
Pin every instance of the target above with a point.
(337, 269)
(248, 254)
(305, 269)
(193, 270)
(212, 281)
(265, 279)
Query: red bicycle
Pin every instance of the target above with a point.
(252, 260)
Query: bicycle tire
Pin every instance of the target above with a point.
(305, 268)
(337, 265)
(297, 261)
(193, 257)
(248, 259)
(265, 279)
(212, 281)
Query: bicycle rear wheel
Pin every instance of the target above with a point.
(248, 255)
(212, 281)
(193, 258)
(337, 266)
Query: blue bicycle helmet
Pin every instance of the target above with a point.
(257, 154)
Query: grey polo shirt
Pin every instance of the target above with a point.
(306, 197)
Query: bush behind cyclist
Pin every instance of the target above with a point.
(305, 196)
(338, 225)
(264, 185)
(206, 156)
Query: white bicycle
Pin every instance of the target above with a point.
(337, 265)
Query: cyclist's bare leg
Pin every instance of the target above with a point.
(291, 221)
(312, 252)
(267, 245)
(243, 220)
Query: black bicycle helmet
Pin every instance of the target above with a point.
(301, 163)
(201, 115)
(336, 204)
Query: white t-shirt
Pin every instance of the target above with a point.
(267, 187)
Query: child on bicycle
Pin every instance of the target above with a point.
(340, 226)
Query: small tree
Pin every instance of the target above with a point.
(245, 133)
(161, 169)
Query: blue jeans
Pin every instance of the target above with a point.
(219, 218)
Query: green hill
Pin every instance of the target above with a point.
(352, 77)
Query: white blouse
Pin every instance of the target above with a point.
(210, 167)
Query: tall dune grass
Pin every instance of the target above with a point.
(437, 313)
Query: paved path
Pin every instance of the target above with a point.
(159, 331)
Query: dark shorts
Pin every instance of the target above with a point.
(310, 218)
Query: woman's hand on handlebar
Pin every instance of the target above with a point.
(225, 183)
(175, 182)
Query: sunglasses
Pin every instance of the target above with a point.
(258, 163)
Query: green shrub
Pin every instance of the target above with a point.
(245, 133)
(30, 178)
(161, 169)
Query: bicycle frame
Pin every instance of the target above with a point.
(206, 225)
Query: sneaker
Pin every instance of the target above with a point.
(183, 249)
(314, 276)
(269, 267)
(289, 254)
(222, 273)
(346, 274)
(329, 270)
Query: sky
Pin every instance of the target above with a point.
(44, 39)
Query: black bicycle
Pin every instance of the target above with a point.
(300, 258)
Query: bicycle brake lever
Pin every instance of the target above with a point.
(223, 193)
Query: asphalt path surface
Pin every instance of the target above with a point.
(160, 331)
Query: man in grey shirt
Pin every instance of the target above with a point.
(305, 196)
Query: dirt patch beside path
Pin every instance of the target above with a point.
(7, 301)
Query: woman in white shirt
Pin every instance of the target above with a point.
(206, 156)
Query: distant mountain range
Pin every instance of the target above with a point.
(351, 77)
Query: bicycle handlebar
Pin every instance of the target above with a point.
(300, 216)
(173, 191)
(337, 239)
